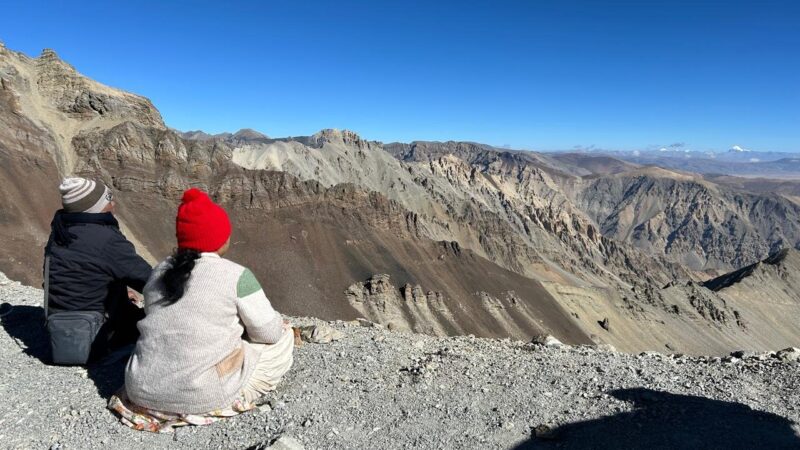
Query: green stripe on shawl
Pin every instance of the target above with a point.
(247, 284)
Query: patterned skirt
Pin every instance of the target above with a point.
(144, 419)
(274, 361)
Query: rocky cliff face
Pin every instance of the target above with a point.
(522, 212)
(307, 241)
(55, 97)
(83, 99)
(689, 220)
(441, 238)
(685, 218)
(768, 288)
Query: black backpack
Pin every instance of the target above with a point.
(71, 332)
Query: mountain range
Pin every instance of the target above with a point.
(443, 238)
(737, 161)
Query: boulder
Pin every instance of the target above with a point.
(605, 347)
(286, 443)
(789, 354)
(319, 334)
(366, 323)
(546, 340)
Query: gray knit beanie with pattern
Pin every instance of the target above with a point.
(82, 195)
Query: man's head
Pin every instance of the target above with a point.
(82, 195)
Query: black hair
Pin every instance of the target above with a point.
(175, 278)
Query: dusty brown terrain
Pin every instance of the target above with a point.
(28, 200)
(441, 238)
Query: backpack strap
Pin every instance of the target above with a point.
(46, 285)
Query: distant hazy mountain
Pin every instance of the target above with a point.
(240, 137)
(736, 161)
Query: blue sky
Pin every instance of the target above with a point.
(529, 74)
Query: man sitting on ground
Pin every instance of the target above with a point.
(89, 265)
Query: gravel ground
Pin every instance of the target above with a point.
(380, 389)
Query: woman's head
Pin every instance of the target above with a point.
(201, 225)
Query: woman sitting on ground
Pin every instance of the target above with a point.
(191, 364)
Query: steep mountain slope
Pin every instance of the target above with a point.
(769, 289)
(26, 206)
(54, 96)
(443, 238)
(307, 242)
(682, 301)
(511, 212)
(44, 103)
(515, 209)
(690, 220)
(706, 222)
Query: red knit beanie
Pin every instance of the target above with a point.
(201, 224)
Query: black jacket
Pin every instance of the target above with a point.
(91, 263)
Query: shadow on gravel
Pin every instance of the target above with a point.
(25, 324)
(662, 420)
